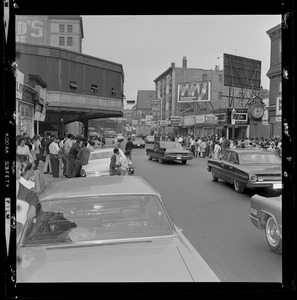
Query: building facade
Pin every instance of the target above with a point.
(54, 30)
(275, 75)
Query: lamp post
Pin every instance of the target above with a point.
(233, 113)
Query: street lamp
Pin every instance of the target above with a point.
(233, 113)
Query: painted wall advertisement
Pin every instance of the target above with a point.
(193, 91)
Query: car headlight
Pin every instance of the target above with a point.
(253, 177)
(254, 211)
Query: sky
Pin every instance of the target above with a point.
(146, 45)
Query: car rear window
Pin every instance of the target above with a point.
(259, 158)
(99, 155)
(95, 219)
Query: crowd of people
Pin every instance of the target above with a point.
(215, 146)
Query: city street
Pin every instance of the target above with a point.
(214, 218)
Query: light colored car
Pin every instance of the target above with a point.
(150, 139)
(106, 229)
(119, 137)
(99, 162)
(138, 142)
(266, 213)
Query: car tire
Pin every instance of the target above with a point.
(149, 157)
(238, 186)
(184, 162)
(161, 160)
(213, 177)
(272, 235)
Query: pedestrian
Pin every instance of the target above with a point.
(35, 152)
(72, 156)
(82, 159)
(115, 163)
(47, 156)
(192, 146)
(129, 147)
(23, 153)
(125, 163)
(203, 148)
(54, 159)
(216, 150)
(67, 146)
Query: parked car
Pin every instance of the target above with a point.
(169, 151)
(99, 161)
(109, 134)
(106, 229)
(247, 168)
(266, 213)
(150, 139)
(138, 142)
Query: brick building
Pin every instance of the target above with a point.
(275, 75)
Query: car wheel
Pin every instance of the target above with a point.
(184, 162)
(213, 177)
(161, 161)
(238, 186)
(149, 158)
(272, 235)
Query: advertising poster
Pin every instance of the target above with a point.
(194, 91)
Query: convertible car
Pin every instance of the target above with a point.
(247, 168)
(266, 213)
(169, 151)
(105, 229)
(99, 161)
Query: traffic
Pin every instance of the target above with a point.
(110, 200)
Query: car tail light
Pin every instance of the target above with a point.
(253, 177)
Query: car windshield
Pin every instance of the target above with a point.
(97, 219)
(171, 145)
(99, 155)
(138, 139)
(259, 158)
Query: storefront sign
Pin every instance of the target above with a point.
(221, 118)
(176, 120)
(189, 120)
(164, 122)
(200, 119)
(211, 119)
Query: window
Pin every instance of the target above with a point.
(220, 78)
(94, 88)
(113, 91)
(61, 41)
(61, 28)
(280, 88)
(73, 84)
(69, 41)
(69, 28)
(204, 77)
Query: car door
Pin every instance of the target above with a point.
(231, 167)
(220, 169)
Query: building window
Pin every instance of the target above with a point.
(220, 78)
(280, 89)
(69, 41)
(204, 77)
(94, 88)
(73, 85)
(61, 28)
(61, 41)
(69, 28)
(113, 92)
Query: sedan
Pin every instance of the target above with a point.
(138, 142)
(150, 139)
(266, 213)
(99, 161)
(119, 137)
(106, 229)
(247, 168)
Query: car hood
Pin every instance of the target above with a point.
(138, 142)
(128, 262)
(263, 168)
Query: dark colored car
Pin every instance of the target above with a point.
(266, 213)
(247, 168)
(169, 151)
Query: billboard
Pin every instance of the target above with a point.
(242, 72)
(197, 91)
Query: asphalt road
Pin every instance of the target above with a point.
(214, 218)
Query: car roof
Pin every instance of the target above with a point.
(250, 151)
(93, 186)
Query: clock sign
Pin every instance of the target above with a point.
(256, 112)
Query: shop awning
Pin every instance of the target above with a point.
(220, 127)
